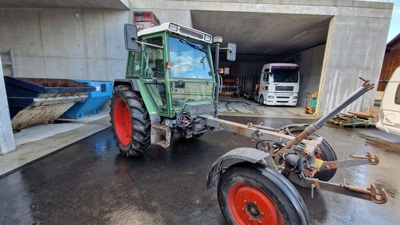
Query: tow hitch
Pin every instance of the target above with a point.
(292, 153)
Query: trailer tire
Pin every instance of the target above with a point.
(247, 193)
(130, 121)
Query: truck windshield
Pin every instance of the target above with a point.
(189, 59)
(286, 75)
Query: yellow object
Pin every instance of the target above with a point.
(318, 163)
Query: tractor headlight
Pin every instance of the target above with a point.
(207, 38)
(173, 27)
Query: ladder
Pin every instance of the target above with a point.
(8, 64)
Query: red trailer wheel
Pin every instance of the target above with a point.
(253, 195)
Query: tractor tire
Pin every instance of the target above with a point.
(327, 154)
(250, 194)
(130, 121)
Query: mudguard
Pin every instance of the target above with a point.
(132, 82)
(250, 155)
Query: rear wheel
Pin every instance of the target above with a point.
(259, 196)
(130, 121)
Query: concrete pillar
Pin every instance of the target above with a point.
(355, 48)
(7, 143)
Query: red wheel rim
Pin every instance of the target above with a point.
(250, 205)
(122, 122)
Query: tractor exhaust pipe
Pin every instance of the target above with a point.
(321, 122)
(217, 42)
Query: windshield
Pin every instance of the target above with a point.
(189, 59)
(286, 75)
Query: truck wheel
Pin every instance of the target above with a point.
(327, 154)
(261, 100)
(259, 196)
(130, 121)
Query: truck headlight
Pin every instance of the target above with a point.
(270, 96)
(294, 97)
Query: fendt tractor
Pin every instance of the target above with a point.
(171, 90)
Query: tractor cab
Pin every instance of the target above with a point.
(173, 63)
(170, 84)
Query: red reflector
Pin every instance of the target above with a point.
(266, 88)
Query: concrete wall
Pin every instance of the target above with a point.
(65, 43)
(310, 69)
(7, 143)
(355, 48)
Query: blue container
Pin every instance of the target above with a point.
(96, 99)
(41, 100)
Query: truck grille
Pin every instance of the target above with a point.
(284, 88)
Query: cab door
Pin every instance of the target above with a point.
(154, 74)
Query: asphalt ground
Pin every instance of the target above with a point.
(89, 182)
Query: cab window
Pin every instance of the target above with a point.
(154, 58)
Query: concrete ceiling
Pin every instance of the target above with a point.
(82, 4)
(261, 36)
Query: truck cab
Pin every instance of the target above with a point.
(279, 84)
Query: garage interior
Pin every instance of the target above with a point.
(269, 38)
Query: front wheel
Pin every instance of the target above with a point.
(259, 196)
(130, 121)
(261, 102)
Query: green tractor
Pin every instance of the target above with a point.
(171, 90)
(170, 81)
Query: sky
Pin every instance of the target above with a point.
(395, 23)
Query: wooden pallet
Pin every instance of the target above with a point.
(348, 120)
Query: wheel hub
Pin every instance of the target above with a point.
(252, 210)
(250, 205)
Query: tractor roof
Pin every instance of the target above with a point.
(179, 30)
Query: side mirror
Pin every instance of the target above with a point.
(231, 54)
(130, 37)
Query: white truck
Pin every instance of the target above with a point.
(279, 84)
(389, 113)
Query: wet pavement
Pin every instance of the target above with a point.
(90, 183)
